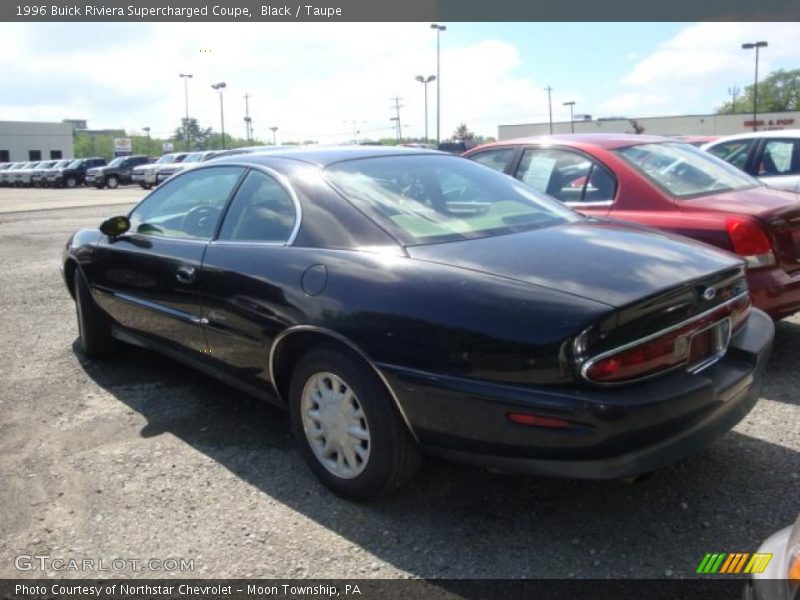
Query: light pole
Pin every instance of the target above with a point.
(439, 29)
(425, 81)
(571, 104)
(550, 106)
(749, 46)
(273, 129)
(147, 131)
(219, 87)
(186, 77)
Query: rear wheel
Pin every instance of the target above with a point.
(347, 427)
(112, 182)
(93, 331)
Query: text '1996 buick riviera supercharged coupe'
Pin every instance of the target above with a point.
(401, 301)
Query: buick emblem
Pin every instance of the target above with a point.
(709, 293)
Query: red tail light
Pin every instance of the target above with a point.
(537, 421)
(694, 344)
(750, 242)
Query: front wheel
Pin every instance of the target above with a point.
(112, 182)
(347, 426)
(94, 334)
(71, 182)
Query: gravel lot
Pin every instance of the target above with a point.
(139, 457)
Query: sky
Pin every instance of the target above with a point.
(323, 81)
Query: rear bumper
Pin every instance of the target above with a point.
(775, 291)
(613, 432)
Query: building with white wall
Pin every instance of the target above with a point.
(678, 125)
(29, 140)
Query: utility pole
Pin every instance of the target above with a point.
(550, 106)
(186, 77)
(397, 106)
(733, 92)
(247, 120)
(757, 46)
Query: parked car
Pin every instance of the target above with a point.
(772, 156)
(8, 177)
(21, 174)
(145, 175)
(191, 160)
(118, 172)
(399, 301)
(658, 182)
(39, 177)
(5, 177)
(38, 172)
(74, 174)
(780, 577)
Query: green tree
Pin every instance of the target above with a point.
(779, 91)
(198, 138)
(463, 133)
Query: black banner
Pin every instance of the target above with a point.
(405, 10)
(370, 589)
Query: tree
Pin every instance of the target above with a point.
(198, 137)
(463, 133)
(778, 92)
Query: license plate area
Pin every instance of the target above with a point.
(708, 345)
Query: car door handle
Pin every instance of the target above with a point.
(185, 274)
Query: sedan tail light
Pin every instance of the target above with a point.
(750, 242)
(695, 344)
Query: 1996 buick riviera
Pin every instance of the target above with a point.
(407, 301)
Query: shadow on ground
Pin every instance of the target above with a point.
(458, 521)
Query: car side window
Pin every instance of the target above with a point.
(734, 152)
(565, 175)
(188, 206)
(780, 157)
(261, 211)
(496, 159)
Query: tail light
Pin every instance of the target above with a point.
(750, 242)
(695, 344)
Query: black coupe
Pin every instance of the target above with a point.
(404, 300)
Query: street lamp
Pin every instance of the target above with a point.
(749, 46)
(273, 129)
(186, 77)
(219, 87)
(147, 131)
(425, 81)
(439, 29)
(571, 103)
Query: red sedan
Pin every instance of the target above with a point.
(662, 183)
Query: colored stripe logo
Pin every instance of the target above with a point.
(737, 562)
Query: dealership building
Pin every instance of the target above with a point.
(679, 125)
(28, 140)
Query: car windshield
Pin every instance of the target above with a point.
(167, 158)
(75, 164)
(61, 164)
(426, 199)
(193, 157)
(116, 162)
(683, 170)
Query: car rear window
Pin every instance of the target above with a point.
(425, 199)
(685, 171)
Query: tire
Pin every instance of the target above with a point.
(94, 334)
(392, 456)
(71, 182)
(100, 186)
(145, 186)
(112, 182)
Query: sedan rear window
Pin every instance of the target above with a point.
(431, 198)
(684, 171)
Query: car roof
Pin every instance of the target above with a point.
(601, 140)
(773, 133)
(326, 155)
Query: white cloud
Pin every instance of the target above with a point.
(700, 58)
(312, 80)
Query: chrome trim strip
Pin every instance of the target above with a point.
(159, 308)
(590, 204)
(588, 364)
(339, 337)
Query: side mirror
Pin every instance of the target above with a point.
(115, 226)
